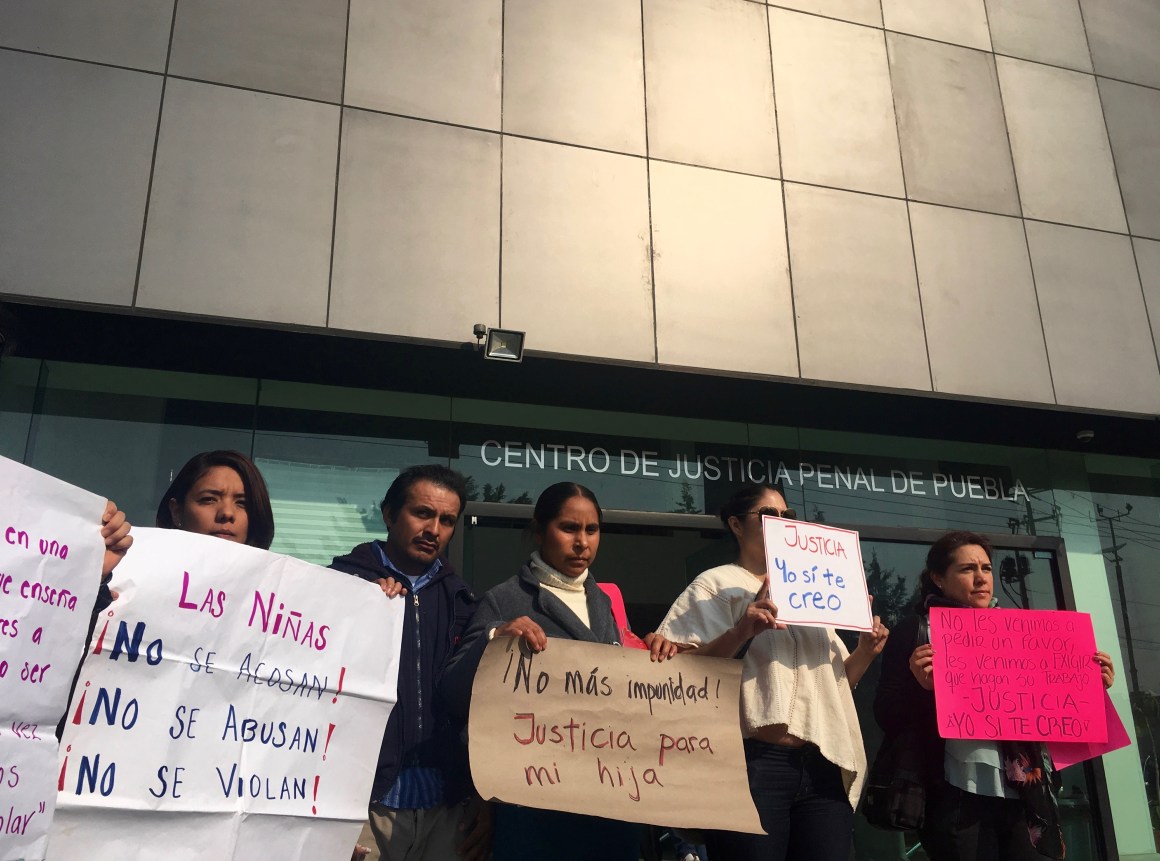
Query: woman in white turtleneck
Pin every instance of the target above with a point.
(553, 596)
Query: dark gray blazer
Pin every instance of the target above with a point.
(517, 596)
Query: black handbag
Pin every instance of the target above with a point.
(895, 793)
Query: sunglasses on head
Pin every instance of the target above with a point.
(769, 511)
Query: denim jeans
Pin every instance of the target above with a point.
(803, 805)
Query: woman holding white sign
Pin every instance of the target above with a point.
(553, 596)
(982, 799)
(803, 746)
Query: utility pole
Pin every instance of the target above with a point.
(1117, 559)
(1030, 519)
(1016, 569)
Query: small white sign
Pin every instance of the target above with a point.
(816, 575)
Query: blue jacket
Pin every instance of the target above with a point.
(420, 730)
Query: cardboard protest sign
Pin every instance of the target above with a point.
(602, 730)
(231, 705)
(1065, 753)
(1017, 675)
(50, 567)
(815, 575)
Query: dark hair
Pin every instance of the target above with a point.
(552, 500)
(942, 554)
(436, 473)
(259, 515)
(743, 500)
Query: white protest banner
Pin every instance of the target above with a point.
(231, 705)
(50, 568)
(603, 730)
(816, 575)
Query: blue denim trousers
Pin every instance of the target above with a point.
(803, 806)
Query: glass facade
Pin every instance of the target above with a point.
(328, 453)
(1126, 494)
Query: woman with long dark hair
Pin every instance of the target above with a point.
(219, 493)
(803, 747)
(993, 800)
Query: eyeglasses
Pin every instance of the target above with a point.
(769, 511)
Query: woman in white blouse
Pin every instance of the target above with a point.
(803, 747)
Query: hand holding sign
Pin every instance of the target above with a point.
(874, 641)
(1107, 669)
(759, 616)
(115, 531)
(816, 575)
(922, 665)
(527, 629)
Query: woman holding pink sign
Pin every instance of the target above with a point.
(803, 747)
(983, 799)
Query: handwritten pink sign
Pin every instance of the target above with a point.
(1065, 753)
(1017, 675)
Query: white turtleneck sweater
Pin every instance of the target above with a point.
(570, 590)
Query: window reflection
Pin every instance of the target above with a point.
(1128, 520)
(328, 471)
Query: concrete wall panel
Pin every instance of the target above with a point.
(75, 146)
(575, 272)
(242, 207)
(1123, 35)
(834, 107)
(574, 72)
(855, 289)
(960, 22)
(292, 47)
(979, 305)
(1133, 117)
(721, 234)
(1062, 156)
(416, 245)
(131, 33)
(1094, 317)
(434, 59)
(709, 85)
(269, 204)
(950, 120)
(1046, 31)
